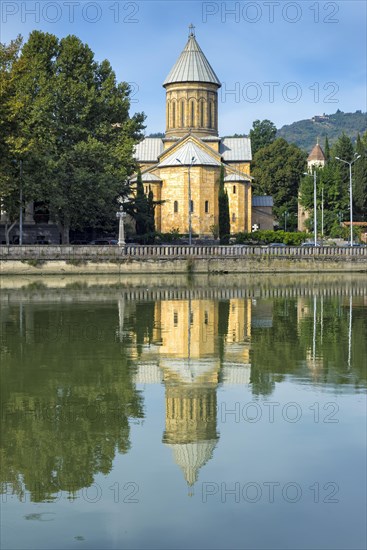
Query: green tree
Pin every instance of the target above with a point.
(72, 122)
(360, 180)
(277, 170)
(329, 184)
(151, 207)
(140, 207)
(223, 209)
(327, 150)
(263, 133)
(343, 148)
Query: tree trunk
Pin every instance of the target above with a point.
(64, 230)
(7, 231)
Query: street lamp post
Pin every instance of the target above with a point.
(121, 215)
(189, 192)
(285, 220)
(350, 192)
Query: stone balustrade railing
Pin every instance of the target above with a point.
(91, 252)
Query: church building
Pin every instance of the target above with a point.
(183, 168)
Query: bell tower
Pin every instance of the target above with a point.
(192, 93)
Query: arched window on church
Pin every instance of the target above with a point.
(206, 207)
(191, 206)
(192, 114)
(234, 189)
(168, 113)
(182, 114)
(210, 122)
(174, 114)
(202, 114)
(212, 110)
(233, 217)
(175, 207)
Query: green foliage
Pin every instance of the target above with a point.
(277, 170)
(68, 120)
(360, 180)
(327, 149)
(171, 237)
(223, 209)
(141, 206)
(333, 182)
(142, 209)
(304, 133)
(268, 237)
(263, 133)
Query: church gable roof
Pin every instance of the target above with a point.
(188, 148)
(235, 149)
(192, 65)
(148, 150)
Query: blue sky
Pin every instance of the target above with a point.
(280, 60)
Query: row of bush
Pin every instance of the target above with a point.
(255, 238)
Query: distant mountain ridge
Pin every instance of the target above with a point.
(304, 133)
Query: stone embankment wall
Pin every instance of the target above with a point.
(178, 259)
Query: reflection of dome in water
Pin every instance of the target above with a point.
(192, 456)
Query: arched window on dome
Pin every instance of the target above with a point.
(175, 207)
(210, 120)
(206, 206)
(192, 114)
(183, 114)
(201, 114)
(173, 114)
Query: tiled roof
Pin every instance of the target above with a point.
(185, 153)
(236, 177)
(236, 149)
(147, 177)
(148, 150)
(264, 200)
(192, 66)
(317, 153)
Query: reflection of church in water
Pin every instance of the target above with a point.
(191, 354)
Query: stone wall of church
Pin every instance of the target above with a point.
(191, 106)
(204, 193)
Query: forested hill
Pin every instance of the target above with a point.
(304, 133)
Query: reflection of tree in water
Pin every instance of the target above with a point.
(66, 396)
(274, 352)
(329, 328)
(287, 346)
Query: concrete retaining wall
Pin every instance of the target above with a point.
(261, 264)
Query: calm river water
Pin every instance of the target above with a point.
(227, 412)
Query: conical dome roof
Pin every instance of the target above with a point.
(317, 153)
(192, 65)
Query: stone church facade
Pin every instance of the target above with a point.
(186, 162)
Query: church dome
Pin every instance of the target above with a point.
(192, 65)
(193, 456)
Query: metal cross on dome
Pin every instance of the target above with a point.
(192, 30)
